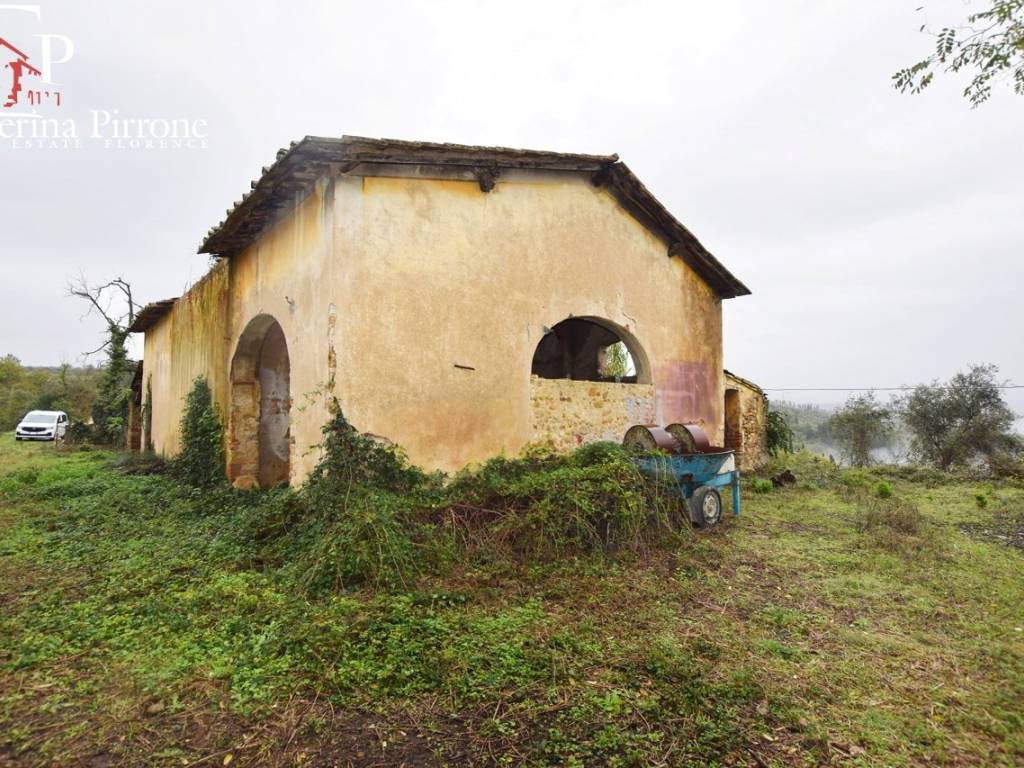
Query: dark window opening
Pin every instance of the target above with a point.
(583, 350)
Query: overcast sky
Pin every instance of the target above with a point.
(881, 234)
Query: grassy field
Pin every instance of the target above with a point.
(859, 618)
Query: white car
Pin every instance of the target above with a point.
(42, 425)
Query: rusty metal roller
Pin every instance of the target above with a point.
(690, 437)
(649, 437)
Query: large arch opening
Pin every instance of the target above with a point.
(590, 349)
(259, 443)
(590, 380)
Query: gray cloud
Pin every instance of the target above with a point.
(881, 234)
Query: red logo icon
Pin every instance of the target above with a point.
(19, 67)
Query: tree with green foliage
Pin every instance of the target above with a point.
(991, 44)
(616, 361)
(861, 426)
(961, 421)
(201, 460)
(24, 389)
(15, 392)
(779, 434)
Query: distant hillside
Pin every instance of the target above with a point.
(808, 422)
(810, 429)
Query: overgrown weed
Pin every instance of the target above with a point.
(896, 524)
(366, 516)
(123, 590)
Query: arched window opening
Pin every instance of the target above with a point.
(259, 437)
(587, 350)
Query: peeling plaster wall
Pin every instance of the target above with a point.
(436, 273)
(748, 432)
(186, 343)
(383, 284)
(568, 413)
(288, 274)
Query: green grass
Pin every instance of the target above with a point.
(139, 626)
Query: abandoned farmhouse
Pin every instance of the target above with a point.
(458, 301)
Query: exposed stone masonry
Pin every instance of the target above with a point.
(570, 413)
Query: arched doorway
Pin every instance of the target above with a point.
(590, 349)
(260, 440)
(733, 433)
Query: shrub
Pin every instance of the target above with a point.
(364, 539)
(883, 489)
(1004, 465)
(368, 517)
(762, 485)
(810, 469)
(352, 523)
(147, 414)
(981, 500)
(351, 458)
(593, 499)
(79, 433)
(896, 525)
(201, 461)
(913, 473)
(779, 434)
(896, 515)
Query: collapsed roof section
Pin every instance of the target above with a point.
(298, 167)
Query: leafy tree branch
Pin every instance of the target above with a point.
(990, 44)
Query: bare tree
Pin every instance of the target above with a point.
(113, 301)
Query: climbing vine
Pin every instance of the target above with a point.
(110, 410)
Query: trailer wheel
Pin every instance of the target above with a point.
(705, 507)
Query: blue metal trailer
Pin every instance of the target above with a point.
(699, 478)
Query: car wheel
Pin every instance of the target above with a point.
(705, 507)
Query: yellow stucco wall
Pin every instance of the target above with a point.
(438, 273)
(383, 284)
(185, 344)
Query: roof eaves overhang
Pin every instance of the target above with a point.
(296, 169)
(150, 314)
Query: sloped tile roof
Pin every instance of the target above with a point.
(298, 167)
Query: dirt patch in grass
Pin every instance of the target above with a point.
(307, 732)
(1006, 528)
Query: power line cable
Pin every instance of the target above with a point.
(878, 389)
